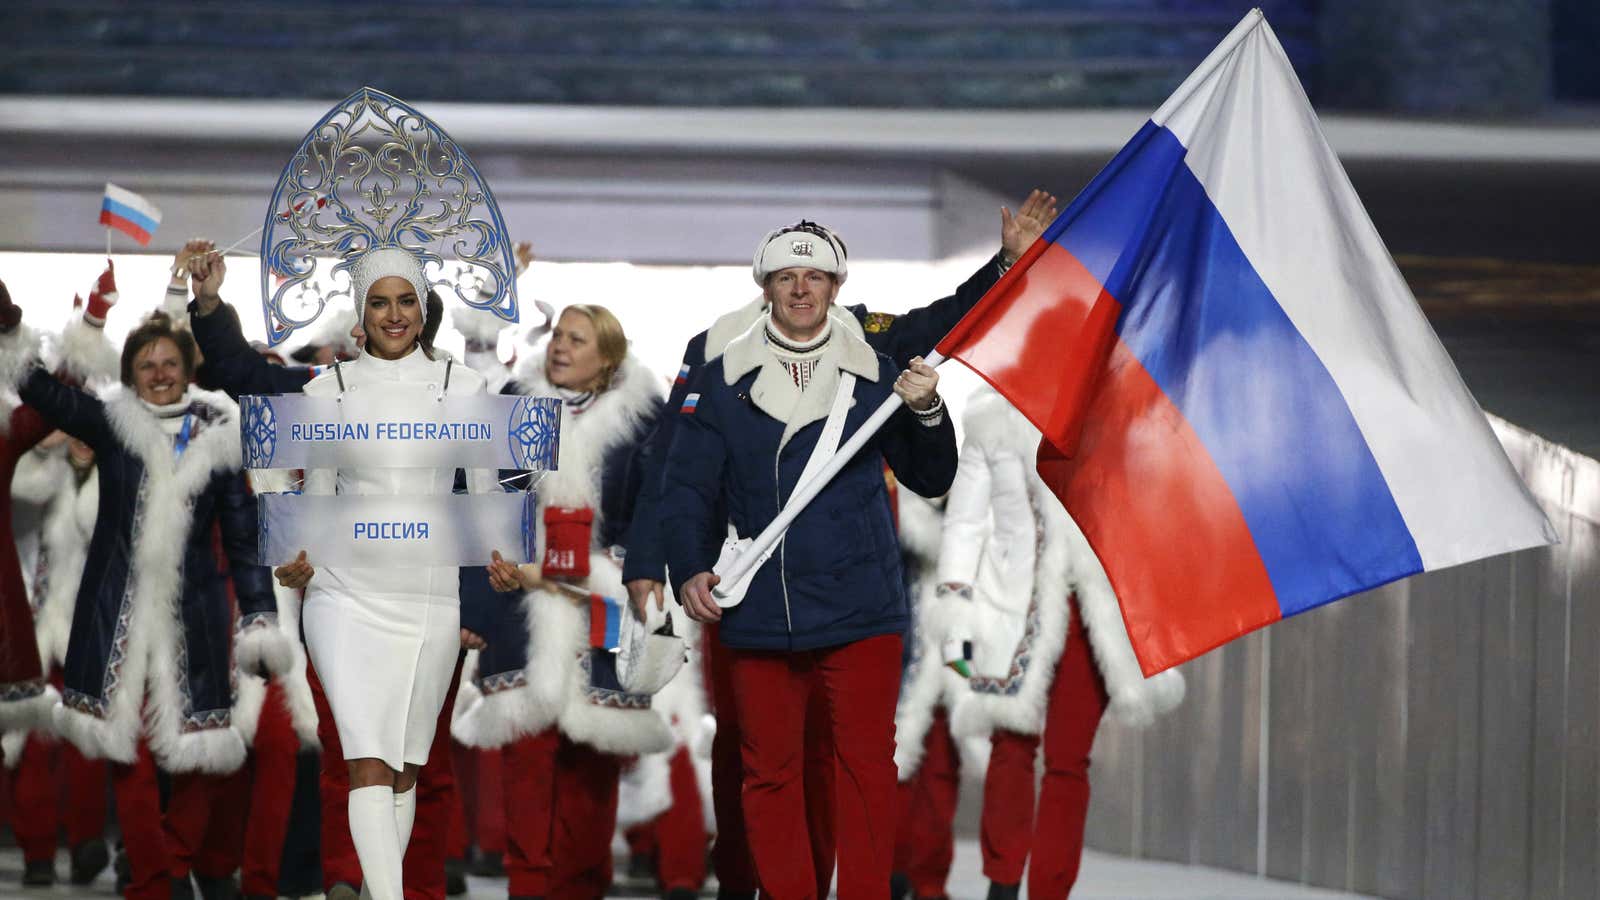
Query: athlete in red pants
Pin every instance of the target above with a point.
(730, 853)
(858, 682)
(53, 786)
(272, 772)
(675, 841)
(425, 854)
(161, 847)
(1008, 833)
(585, 815)
(925, 845)
(529, 809)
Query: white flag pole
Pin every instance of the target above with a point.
(807, 492)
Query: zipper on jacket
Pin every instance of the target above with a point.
(783, 578)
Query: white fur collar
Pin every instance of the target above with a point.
(775, 392)
(214, 447)
(730, 326)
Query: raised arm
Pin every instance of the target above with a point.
(916, 332)
(231, 364)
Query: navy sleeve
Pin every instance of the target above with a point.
(232, 365)
(626, 469)
(923, 457)
(691, 488)
(71, 409)
(646, 557)
(236, 519)
(481, 603)
(915, 333)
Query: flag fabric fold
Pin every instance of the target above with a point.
(1242, 405)
(129, 213)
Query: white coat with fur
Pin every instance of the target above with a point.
(1009, 537)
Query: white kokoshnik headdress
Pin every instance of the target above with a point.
(804, 244)
(375, 189)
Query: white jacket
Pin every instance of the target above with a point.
(1009, 537)
(425, 377)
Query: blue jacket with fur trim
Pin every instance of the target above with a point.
(742, 438)
(899, 337)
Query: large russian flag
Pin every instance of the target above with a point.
(1243, 407)
(129, 213)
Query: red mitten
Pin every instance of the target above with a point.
(567, 537)
(102, 298)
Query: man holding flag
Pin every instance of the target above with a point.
(831, 607)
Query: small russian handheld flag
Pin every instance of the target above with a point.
(605, 622)
(129, 213)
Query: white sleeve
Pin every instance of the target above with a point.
(966, 515)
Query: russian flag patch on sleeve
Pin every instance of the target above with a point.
(683, 374)
(689, 404)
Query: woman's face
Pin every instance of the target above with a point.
(392, 317)
(573, 359)
(158, 375)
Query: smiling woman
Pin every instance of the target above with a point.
(158, 361)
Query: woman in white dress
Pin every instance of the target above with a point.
(384, 641)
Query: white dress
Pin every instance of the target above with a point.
(384, 642)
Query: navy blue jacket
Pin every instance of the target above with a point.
(220, 504)
(898, 337)
(837, 577)
(234, 367)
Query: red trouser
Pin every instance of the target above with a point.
(54, 785)
(924, 843)
(160, 847)
(529, 765)
(1007, 834)
(731, 856)
(584, 817)
(272, 774)
(483, 802)
(859, 683)
(436, 785)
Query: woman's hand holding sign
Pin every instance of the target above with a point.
(296, 574)
(503, 574)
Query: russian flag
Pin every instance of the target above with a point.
(605, 622)
(129, 213)
(1254, 418)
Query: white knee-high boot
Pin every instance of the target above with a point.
(405, 813)
(372, 830)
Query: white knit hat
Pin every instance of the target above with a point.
(382, 262)
(804, 244)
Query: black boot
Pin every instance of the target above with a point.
(89, 859)
(121, 866)
(731, 894)
(682, 894)
(182, 889)
(39, 873)
(219, 888)
(998, 891)
(488, 865)
(455, 877)
(899, 886)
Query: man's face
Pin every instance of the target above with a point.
(800, 299)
